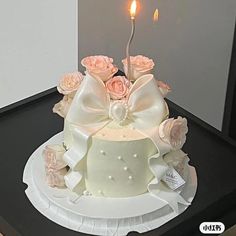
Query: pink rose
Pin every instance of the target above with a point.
(70, 83)
(118, 87)
(100, 67)
(140, 66)
(173, 131)
(63, 106)
(55, 178)
(53, 157)
(164, 88)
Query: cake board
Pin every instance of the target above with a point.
(97, 215)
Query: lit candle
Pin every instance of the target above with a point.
(133, 9)
(156, 15)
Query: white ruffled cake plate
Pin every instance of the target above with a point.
(95, 215)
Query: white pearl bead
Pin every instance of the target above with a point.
(130, 177)
(119, 158)
(102, 152)
(110, 177)
(86, 193)
(125, 168)
(135, 155)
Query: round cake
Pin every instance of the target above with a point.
(119, 141)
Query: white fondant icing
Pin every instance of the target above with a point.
(98, 170)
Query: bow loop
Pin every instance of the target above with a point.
(146, 103)
(91, 103)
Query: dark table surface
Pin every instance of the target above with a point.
(26, 128)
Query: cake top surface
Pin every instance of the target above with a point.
(115, 132)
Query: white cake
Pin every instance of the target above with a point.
(118, 139)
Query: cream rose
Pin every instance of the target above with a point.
(164, 88)
(63, 106)
(140, 65)
(100, 67)
(173, 131)
(70, 83)
(53, 157)
(55, 167)
(55, 178)
(118, 87)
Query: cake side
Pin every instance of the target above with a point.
(118, 168)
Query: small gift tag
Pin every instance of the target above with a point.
(173, 179)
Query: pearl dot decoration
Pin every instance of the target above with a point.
(86, 193)
(118, 111)
(119, 158)
(126, 168)
(135, 155)
(130, 177)
(102, 152)
(110, 177)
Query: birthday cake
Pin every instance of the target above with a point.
(119, 141)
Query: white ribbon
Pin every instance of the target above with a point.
(89, 113)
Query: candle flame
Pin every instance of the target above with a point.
(133, 9)
(156, 15)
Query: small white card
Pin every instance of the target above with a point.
(173, 179)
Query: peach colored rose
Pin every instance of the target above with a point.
(173, 131)
(55, 167)
(118, 87)
(63, 106)
(53, 157)
(70, 83)
(100, 67)
(164, 88)
(140, 65)
(55, 178)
